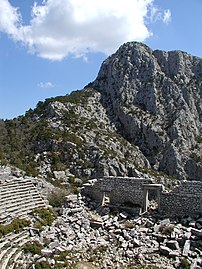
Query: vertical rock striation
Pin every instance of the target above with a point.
(154, 99)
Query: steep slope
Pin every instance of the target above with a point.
(155, 96)
(70, 133)
(143, 111)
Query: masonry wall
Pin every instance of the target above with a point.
(121, 190)
(185, 199)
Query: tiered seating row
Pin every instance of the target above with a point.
(9, 254)
(17, 198)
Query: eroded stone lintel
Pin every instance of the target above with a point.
(153, 186)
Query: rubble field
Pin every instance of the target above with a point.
(87, 235)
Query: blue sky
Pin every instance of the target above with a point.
(60, 47)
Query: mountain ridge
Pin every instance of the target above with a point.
(141, 114)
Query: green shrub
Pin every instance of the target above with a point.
(196, 157)
(33, 247)
(184, 264)
(166, 230)
(42, 265)
(56, 198)
(44, 215)
(15, 226)
(38, 225)
(199, 139)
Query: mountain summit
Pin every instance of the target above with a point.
(155, 96)
(142, 113)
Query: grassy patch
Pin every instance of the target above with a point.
(44, 216)
(15, 226)
(33, 247)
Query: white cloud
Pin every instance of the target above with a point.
(167, 16)
(9, 19)
(59, 28)
(46, 85)
(157, 14)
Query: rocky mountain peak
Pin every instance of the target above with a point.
(156, 98)
(137, 75)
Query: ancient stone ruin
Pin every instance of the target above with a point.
(184, 200)
(18, 196)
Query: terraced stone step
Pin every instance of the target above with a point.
(15, 243)
(18, 198)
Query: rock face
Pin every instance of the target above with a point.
(154, 97)
(143, 111)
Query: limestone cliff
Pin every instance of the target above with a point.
(142, 113)
(155, 98)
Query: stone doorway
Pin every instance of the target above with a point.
(151, 191)
(106, 198)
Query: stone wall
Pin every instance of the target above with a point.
(185, 199)
(121, 190)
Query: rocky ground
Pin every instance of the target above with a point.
(95, 237)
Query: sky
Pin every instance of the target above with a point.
(52, 47)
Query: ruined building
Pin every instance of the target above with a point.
(18, 196)
(184, 200)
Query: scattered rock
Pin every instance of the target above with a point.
(172, 244)
(186, 248)
(164, 250)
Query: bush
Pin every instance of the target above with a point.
(184, 264)
(33, 248)
(15, 226)
(38, 225)
(42, 265)
(196, 157)
(199, 139)
(57, 197)
(166, 230)
(129, 225)
(60, 258)
(44, 215)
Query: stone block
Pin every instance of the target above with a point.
(96, 224)
(186, 248)
(172, 244)
(164, 250)
(174, 254)
(196, 232)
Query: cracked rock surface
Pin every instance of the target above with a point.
(156, 98)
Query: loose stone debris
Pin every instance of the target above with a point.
(116, 239)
